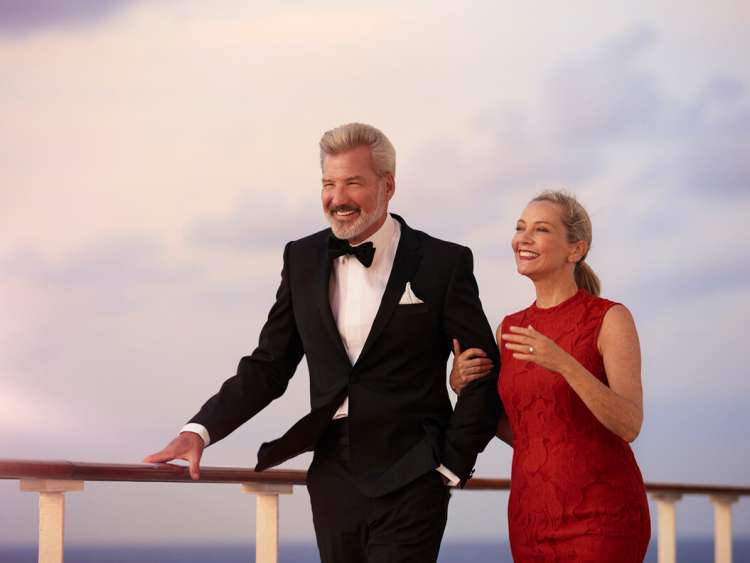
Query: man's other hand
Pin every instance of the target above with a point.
(188, 446)
(468, 366)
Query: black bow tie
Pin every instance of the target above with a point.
(364, 252)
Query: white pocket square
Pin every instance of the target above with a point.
(409, 298)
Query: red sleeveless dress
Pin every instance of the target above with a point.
(576, 491)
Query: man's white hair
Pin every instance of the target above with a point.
(353, 135)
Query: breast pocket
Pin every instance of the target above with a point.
(412, 308)
(412, 327)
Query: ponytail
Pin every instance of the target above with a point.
(587, 279)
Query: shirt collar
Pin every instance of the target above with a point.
(382, 237)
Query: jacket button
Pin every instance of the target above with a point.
(354, 379)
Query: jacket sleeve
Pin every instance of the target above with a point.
(478, 408)
(263, 375)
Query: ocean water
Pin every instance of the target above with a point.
(689, 550)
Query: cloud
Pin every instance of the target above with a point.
(111, 265)
(259, 220)
(607, 101)
(605, 97)
(715, 159)
(694, 349)
(30, 15)
(20, 409)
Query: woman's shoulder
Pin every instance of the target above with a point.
(607, 314)
(598, 303)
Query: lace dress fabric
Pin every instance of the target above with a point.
(576, 491)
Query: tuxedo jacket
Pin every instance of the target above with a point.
(401, 422)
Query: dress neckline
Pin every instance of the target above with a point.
(562, 305)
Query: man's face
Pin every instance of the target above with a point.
(355, 199)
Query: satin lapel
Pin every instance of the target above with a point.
(324, 302)
(405, 263)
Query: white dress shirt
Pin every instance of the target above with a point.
(355, 293)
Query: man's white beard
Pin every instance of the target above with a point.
(348, 231)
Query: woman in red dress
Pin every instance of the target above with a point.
(571, 385)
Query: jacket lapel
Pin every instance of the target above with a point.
(408, 255)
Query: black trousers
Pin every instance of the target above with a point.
(404, 526)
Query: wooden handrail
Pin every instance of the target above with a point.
(168, 473)
(162, 473)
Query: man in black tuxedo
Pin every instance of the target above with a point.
(374, 305)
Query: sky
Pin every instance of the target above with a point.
(156, 155)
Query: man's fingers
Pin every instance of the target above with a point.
(472, 376)
(474, 361)
(195, 467)
(478, 362)
(479, 366)
(473, 353)
(159, 457)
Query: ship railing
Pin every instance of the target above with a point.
(51, 480)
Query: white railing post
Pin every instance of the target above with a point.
(267, 519)
(666, 523)
(723, 527)
(51, 515)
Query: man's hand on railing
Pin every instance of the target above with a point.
(187, 446)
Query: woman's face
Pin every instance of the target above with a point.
(540, 245)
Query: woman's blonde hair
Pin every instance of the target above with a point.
(578, 226)
(353, 135)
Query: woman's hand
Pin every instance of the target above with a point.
(468, 365)
(530, 345)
